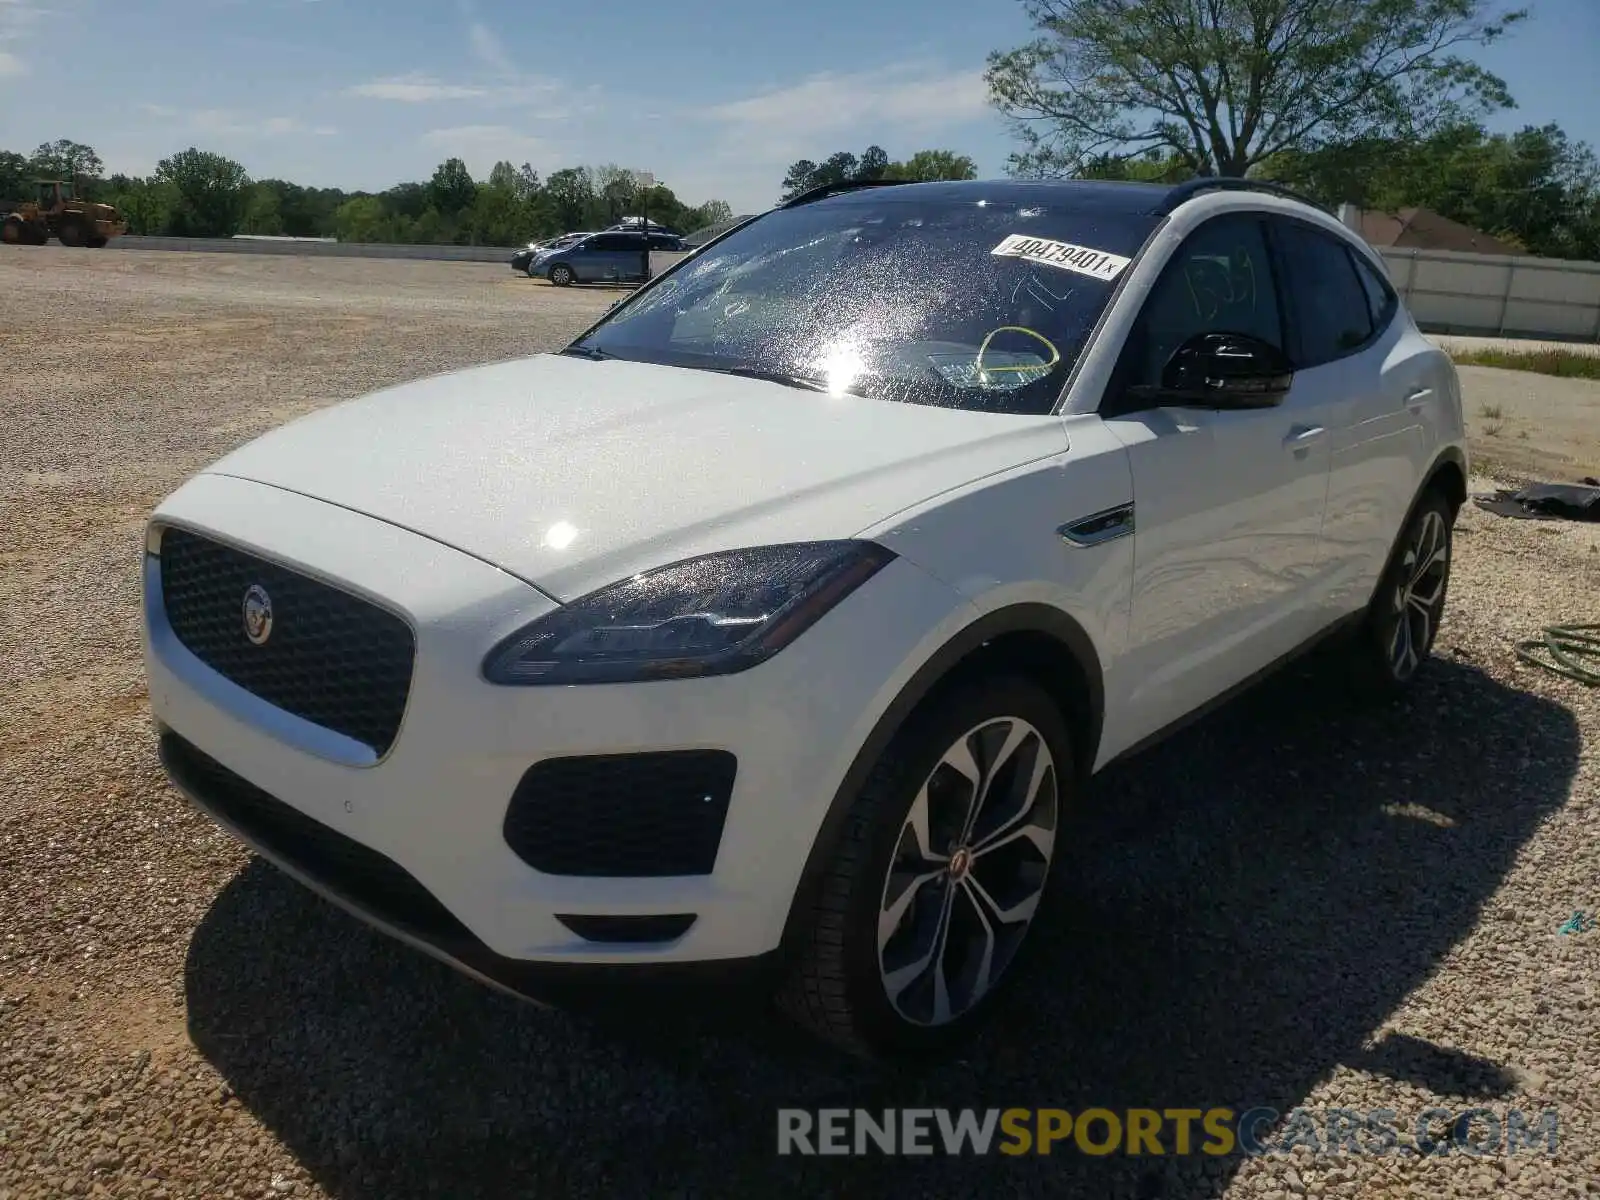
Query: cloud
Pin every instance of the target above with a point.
(488, 48)
(415, 89)
(907, 98)
(521, 92)
(16, 20)
(225, 122)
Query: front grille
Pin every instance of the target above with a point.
(622, 815)
(330, 657)
(356, 873)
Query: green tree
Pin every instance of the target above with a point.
(146, 205)
(72, 161)
(1535, 187)
(363, 219)
(527, 181)
(840, 167)
(1225, 84)
(263, 213)
(14, 176)
(874, 162)
(208, 190)
(1153, 166)
(452, 190)
(498, 217)
(408, 199)
(503, 175)
(712, 212)
(926, 166)
(570, 195)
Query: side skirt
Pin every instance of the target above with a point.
(1343, 625)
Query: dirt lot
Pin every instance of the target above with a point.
(1297, 903)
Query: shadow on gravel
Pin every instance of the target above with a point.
(1246, 909)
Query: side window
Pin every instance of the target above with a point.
(1327, 302)
(1219, 281)
(1381, 300)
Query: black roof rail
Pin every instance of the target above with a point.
(834, 189)
(1190, 188)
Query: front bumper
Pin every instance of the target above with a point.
(434, 806)
(382, 893)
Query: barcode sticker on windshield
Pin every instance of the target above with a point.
(1085, 260)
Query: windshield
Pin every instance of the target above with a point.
(963, 303)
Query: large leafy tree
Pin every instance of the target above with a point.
(570, 195)
(67, 160)
(208, 191)
(926, 166)
(452, 189)
(840, 167)
(1224, 84)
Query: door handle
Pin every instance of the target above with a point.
(1416, 396)
(1303, 436)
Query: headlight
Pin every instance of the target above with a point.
(711, 615)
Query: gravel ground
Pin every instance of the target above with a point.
(1298, 902)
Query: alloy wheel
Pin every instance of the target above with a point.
(1419, 594)
(968, 871)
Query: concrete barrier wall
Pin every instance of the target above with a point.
(1491, 294)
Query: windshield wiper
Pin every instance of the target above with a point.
(804, 382)
(589, 352)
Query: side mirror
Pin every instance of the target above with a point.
(1223, 371)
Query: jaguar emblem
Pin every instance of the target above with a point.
(257, 614)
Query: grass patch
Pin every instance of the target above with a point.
(1569, 364)
(1492, 411)
(1493, 430)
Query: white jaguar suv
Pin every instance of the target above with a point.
(764, 633)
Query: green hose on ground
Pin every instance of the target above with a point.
(1558, 649)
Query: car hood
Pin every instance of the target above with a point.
(571, 473)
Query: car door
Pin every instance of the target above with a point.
(1228, 504)
(595, 259)
(1355, 352)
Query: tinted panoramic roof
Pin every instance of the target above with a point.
(1087, 195)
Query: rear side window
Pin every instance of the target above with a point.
(1381, 300)
(612, 241)
(1328, 307)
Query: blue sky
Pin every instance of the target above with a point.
(714, 98)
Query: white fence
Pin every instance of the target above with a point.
(1492, 294)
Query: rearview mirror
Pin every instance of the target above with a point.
(1222, 370)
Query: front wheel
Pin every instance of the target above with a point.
(71, 234)
(561, 275)
(13, 232)
(1403, 618)
(96, 243)
(945, 860)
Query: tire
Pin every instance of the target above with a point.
(863, 990)
(561, 275)
(13, 232)
(70, 234)
(1402, 620)
(96, 243)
